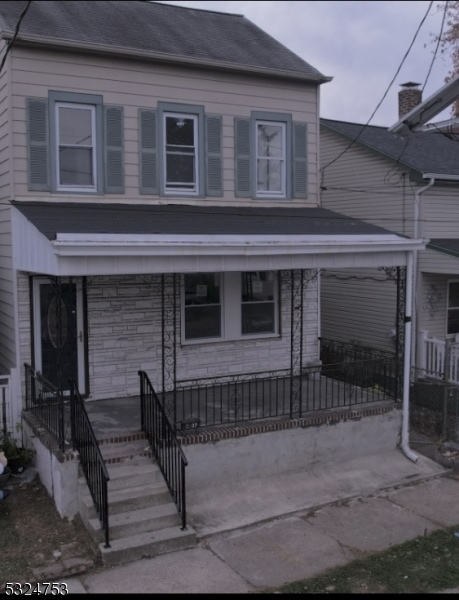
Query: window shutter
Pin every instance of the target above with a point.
(214, 176)
(242, 158)
(300, 169)
(38, 144)
(113, 148)
(148, 136)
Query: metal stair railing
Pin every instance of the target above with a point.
(164, 443)
(91, 459)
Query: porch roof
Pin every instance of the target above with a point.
(447, 246)
(81, 238)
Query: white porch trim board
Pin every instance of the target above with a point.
(115, 254)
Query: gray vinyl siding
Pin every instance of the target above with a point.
(358, 306)
(433, 303)
(135, 85)
(440, 211)
(7, 313)
(431, 261)
(365, 185)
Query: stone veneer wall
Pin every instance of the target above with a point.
(124, 335)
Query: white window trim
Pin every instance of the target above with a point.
(283, 192)
(180, 190)
(78, 188)
(231, 312)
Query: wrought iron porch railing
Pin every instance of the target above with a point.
(164, 443)
(246, 397)
(91, 460)
(46, 403)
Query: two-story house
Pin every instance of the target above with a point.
(162, 237)
(407, 181)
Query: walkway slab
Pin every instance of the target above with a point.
(435, 499)
(370, 524)
(278, 552)
(196, 571)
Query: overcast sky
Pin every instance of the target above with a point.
(361, 44)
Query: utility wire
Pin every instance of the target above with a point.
(382, 99)
(437, 47)
(16, 32)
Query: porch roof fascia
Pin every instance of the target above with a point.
(79, 254)
(223, 245)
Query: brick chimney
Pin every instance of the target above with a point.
(408, 97)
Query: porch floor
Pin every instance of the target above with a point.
(115, 416)
(235, 402)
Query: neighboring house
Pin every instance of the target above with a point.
(159, 210)
(408, 183)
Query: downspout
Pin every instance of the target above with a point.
(407, 360)
(411, 282)
(417, 233)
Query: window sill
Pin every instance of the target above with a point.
(220, 340)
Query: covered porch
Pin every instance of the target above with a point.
(122, 270)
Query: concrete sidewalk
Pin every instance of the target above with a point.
(267, 532)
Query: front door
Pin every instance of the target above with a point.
(59, 333)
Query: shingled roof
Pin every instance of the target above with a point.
(155, 30)
(424, 152)
(51, 218)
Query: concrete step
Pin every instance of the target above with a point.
(127, 524)
(133, 473)
(148, 544)
(121, 452)
(132, 498)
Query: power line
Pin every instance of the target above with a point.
(382, 99)
(16, 32)
(437, 46)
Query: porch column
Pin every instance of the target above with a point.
(169, 291)
(398, 275)
(295, 281)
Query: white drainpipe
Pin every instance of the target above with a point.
(417, 235)
(407, 361)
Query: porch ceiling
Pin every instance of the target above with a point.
(103, 239)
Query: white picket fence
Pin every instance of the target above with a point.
(432, 358)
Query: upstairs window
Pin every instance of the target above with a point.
(76, 147)
(75, 144)
(271, 155)
(181, 153)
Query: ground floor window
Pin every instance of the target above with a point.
(453, 307)
(230, 305)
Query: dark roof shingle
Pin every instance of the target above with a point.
(172, 31)
(425, 152)
(70, 217)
